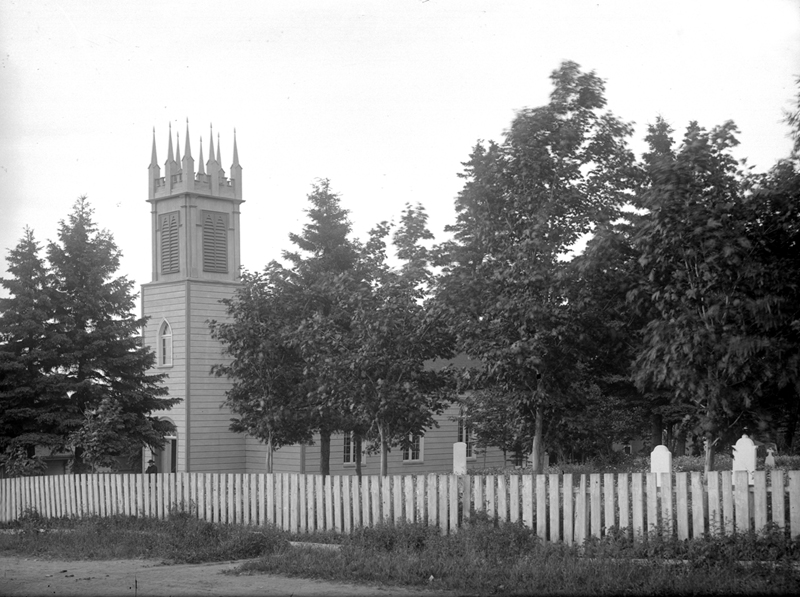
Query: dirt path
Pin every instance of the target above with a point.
(147, 578)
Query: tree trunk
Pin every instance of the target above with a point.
(269, 454)
(384, 453)
(710, 453)
(656, 428)
(324, 452)
(78, 465)
(536, 448)
(357, 440)
(791, 423)
(680, 444)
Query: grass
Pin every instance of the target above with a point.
(181, 538)
(481, 559)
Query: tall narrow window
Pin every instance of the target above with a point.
(170, 262)
(215, 242)
(413, 452)
(349, 444)
(465, 434)
(165, 345)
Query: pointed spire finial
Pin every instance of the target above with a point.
(153, 158)
(201, 169)
(235, 150)
(219, 159)
(211, 155)
(170, 154)
(188, 149)
(178, 146)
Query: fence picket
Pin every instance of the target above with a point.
(420, 497)
(682, 504)
(397, 498)
(489, 496)
(652, 501)
(568, 497)
(443, 498)
(337, 503)
(319, 493)
(502, 499)
(716, 521)
(453, 503)
(555, 503)
(527, 500)
(408, 505)
(794, 503)
(433, 511)
(596, 502)
(778, 498)
(477, 489)
(541, 506)
(609, 511)
(513, 497)
(623, 499)
(726, 490)
(759, 500)
(294, 502)
(580, 512)
(698, 506)
(667, 510)
(466, 497)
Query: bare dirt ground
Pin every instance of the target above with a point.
(34, 577)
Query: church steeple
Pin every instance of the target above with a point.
(187, 164)
(179, 175)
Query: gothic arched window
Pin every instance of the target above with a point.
(165, 344)
(215, 242)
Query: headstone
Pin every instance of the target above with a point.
(660, 462)
(460, 458)
(744, 456)
(770, 460)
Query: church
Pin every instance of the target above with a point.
(195, 246)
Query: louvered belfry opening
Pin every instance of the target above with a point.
(170, 255)
(215, 242)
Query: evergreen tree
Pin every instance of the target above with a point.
(101, 378)
(324, 254)
(29, 405)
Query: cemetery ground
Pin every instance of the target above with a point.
(185, 556)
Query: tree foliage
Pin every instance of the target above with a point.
(562, 169)
(69, 335)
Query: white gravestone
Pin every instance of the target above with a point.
(460, 458)
(770, 460)
(660, 462)
(744, 456)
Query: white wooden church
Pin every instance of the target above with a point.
(195, 244)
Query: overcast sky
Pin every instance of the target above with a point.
(384, 98)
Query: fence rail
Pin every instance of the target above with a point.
(566, 507)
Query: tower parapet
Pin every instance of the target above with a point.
(180, 177)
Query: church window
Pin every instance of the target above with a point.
(165, 345)
(170, 262)
(215, 242)
(413, 452)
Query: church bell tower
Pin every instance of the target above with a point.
(195, 264)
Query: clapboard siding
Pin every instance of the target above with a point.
(167, 301)
(213, 446)
(437, 452)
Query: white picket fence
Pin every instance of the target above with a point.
(566, 507)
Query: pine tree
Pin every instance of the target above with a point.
(29, 410)
(324, 253)
(102, 366)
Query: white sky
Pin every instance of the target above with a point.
(386, 99)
